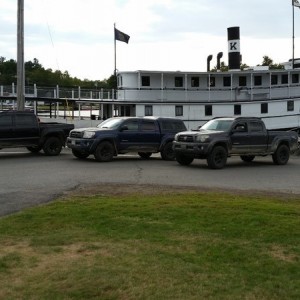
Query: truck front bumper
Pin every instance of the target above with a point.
(80, 144)
(192, 149)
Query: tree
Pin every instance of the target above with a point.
(267, 61)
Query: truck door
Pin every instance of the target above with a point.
(258, 138)
(6, 130)
(26, 130)
(149, 136)
(128, 135)
(240, 137)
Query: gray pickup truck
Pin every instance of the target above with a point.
(23, 129)
(221, 138)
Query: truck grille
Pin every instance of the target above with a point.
(76, 134)
(186, 138)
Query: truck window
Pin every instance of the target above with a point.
(132, 125)
(28, 120)
(241, 127)
(6, 121)
(148, 126)
(256, 126)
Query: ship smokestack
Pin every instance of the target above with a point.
(219, 56)
(209, 58)
(234, 56)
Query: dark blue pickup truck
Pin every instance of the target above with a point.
(120, 135)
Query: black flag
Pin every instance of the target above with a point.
(121, 36)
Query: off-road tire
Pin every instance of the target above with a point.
(36, 149)
(167, 152)
(247, 158)
(282, 155)
(144, 155)
(52, 146)
(80, 154)
(104, 152)
(184, 159)
(217, 158)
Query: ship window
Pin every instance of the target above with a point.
(208, 110)
(284, 79)
(178, 81)
(242, 81)
(257, 80)
(264, 108)
(237, 109)
(274, 79)
(195, 82)
(119, 79)
(148, 110)
(226, 81)
(178, 110)
(295, 78)
(145, 80)
(212, 81)
(290, 105)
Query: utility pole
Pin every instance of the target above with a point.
(20, 57)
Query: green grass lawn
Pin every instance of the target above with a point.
(138, 246)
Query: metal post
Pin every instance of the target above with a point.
(20, 57)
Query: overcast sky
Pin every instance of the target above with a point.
(77, 35)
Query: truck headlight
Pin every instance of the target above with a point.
(202, 138)
(176, 138)
(88, 134)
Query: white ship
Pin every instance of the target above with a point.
(195, 97)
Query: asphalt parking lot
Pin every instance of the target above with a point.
(28, 179)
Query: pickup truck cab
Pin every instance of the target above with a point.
(120, 135)
(220, 138)
(23, 129)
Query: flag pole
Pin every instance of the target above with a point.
(293, 58)
(115, 71)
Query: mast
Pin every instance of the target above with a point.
(20, 57)
(293, 57)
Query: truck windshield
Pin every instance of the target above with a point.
(110, 123)
(217, 125)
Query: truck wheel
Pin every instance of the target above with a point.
(80, 154)
(247, 158)
(52, 146)
(282, 155)
(217, 158)
(34, 149)
(167, 152)
(104, 152)
(183, 159)
(144, 155)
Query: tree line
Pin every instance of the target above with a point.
(35, 73)
(267, 61)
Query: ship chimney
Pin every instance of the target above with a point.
(209, 58)
(234, 56)
(219, 56)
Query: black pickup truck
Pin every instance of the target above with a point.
(23, 129)
(120, 135)
(220, 138)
